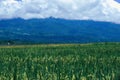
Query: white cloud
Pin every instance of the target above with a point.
(102, 10)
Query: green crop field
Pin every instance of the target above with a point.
(99, 61)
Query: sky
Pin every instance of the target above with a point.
(100, 10)
(118, 1)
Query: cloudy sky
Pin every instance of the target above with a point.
(101, 10)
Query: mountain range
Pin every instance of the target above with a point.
(56, 30)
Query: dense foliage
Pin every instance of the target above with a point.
(60, 62)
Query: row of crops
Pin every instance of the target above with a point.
(60, 62)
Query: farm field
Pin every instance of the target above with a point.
(97, 61)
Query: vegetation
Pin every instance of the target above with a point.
(100, 61)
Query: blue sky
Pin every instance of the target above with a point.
(118, 1)
(100, 10)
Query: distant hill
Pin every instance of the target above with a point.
(51, 30)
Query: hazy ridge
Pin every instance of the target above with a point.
(52, 30)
